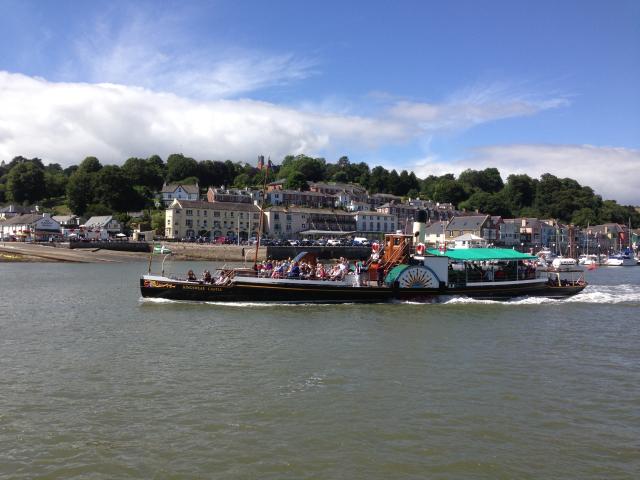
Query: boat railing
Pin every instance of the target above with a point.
(462, 277)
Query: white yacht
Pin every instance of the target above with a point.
(586, 259)
(622, 259)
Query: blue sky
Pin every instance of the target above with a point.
(428, 86)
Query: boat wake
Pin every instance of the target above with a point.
(149, 300)
(594, 294)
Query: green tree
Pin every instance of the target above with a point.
(158, 222)
(114, 191)
(180, 167)
(449, 190)
(142, 171)
(519, 191)
(25, 182)
(378, 180)
(296, 181)
(487, 180)
(90, 165)
(80, 191)
(313, 169)
(490, 203)
(584, 217)
(55, 183)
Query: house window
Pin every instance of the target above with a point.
(204, 213)
(255, 216)
(189, 213)
(288, 227)
(188, 222)
(288, 218)
(216, 214)
(304, 225)
(276, 216)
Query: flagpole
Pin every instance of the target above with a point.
(261, 220)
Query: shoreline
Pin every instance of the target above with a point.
(17, 252)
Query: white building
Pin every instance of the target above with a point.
(188, 218)
(374, 225)
(295, 221)
(100, 227)
(435, 234)
(182, 192)
(30, 227)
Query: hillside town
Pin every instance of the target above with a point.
(326, 212)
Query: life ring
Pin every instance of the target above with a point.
(375, 246)
(420, 249)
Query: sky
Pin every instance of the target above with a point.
(428, 86)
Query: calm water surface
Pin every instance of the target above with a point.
(95, 383)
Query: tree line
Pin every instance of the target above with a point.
(91, 188)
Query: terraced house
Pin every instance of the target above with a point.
(189, 218)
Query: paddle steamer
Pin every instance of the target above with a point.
(400, 271)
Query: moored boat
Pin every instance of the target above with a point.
(622, 259)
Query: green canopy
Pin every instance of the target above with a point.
(482, 254)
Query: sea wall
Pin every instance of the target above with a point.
(117, 245)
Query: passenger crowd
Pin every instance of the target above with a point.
(307, 271)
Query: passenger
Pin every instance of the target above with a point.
(191, 276)
(320, 272)
(206, 276)
(294, 272)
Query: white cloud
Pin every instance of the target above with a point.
(158, 53)
(64, 122)
(473, 106)
(611, 171)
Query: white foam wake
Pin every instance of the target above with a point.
(600, 294)
(594, 294)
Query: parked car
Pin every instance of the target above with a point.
(333, 242)
(361, 241)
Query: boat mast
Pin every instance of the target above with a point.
(261, 220)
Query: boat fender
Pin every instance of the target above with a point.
(420, 249)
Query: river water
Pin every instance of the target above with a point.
(96, 383)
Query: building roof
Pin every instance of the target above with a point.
(398, 205)
(98, 221)
(64, 218)
(17, 209)
(24, 219)
(230, 206)
(472, 222)
(467, 237)
(172, 187)
(323, 211)
(299, 192)
(436, 228)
